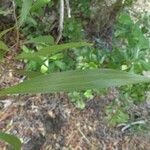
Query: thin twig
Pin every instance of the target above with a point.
(61, 21)
(83, 135)
(131, 124)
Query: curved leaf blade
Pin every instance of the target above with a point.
(12, 140)
(49, 50)
(45, 39)
(74, 81)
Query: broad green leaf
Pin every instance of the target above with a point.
(12, 140)
(49, 50)
(5, 31)
(74, 81)
(25, 10)
(45, 39)
(3, 49)
(38, 4)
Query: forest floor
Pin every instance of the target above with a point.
(51, 121)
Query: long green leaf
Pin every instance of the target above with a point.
(49, 50)
(45, 39)
(25, 10)
(75, 80)
(12, 140)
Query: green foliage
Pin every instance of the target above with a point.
(12, 140)
(87, 58)
(25, 10)
(130, 47)
(45, 59)
(73, 31)
(116, 114)
(144, 22)
(130, 31)
(46, 39)
(28, 7)
(135, 92)
(49, 50)
(80, 98)
(129, 2)
(75, 80)
(135, 53)
(81, 7)
(38, 4)
(131, 53)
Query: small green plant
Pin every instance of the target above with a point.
(80, 98)
(116, 115)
